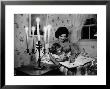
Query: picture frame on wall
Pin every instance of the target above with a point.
(10, 10)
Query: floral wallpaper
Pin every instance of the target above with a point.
(20, 56)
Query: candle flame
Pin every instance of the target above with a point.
(38, 19)
(33, 29)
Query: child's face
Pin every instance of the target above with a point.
(59, 50)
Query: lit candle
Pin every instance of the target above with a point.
(26, 30)
(45, 33)
(49, 28)
(29, 23)
(45, 38)
(38, 33)
(33, 29)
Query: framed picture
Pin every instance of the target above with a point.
(29, 33)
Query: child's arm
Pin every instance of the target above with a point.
(53, 59)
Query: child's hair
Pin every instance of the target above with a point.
(54, 48)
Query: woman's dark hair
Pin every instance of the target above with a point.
(60, 31)
(54, 48)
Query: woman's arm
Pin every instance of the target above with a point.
(75, 50)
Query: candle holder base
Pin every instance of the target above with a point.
(39, 67)
(26, 51)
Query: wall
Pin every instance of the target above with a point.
(90, 47)
(20, 56)
(74, 24)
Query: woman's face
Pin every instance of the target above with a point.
(62, 37)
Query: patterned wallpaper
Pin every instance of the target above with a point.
(21, 57)
(73, 22)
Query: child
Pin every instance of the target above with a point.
(57, 55)
(57, 52)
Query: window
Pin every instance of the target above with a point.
(89, 30)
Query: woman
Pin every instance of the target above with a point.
(62, 35)
(66, 48)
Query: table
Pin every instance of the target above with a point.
(30, 70)
(51, 69)
(81, 60)
(79, 63)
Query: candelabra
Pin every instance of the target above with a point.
(38, 66)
